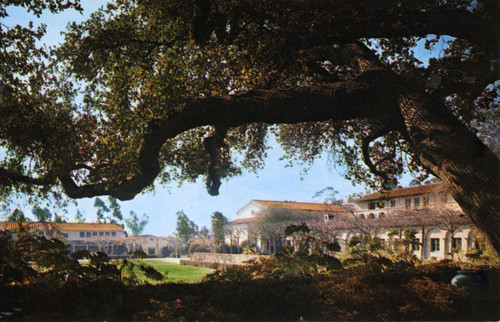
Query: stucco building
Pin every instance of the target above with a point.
(107, 238)
(153, 246)
(429, 210)
(249, 227)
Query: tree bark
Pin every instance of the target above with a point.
(468, 168)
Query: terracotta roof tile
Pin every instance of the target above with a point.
(304, 206)
(411, 191)
(242, 221)
(63, 226)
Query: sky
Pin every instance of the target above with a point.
(274, 182)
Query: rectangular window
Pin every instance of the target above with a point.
(371, 205)
(426, 200)
(408, 202)
(416, 202)
(88, 234)
(101, 233)
(107, 233)
(393, 203)
(94, 233)
(434, 244)
(82, 234)
(113, 233)
(416, 246)
(151, 251)
(456, 243)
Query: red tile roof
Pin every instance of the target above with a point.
(411, 191)
(242, 221)
(304, 206)
(71, 226)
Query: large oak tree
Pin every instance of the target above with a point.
(174, 90)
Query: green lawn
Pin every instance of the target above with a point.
(176, 273)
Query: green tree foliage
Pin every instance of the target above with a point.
(79, 216)
(328, 195)
(27, 258)
(203, 232)
(270, 225)
(127, 269)
(23, 256)
(367, 251)
(58, 219)
(180, 90)
(218, 222)
(308, 255)
(198, 248)
(17, 216)
(41, 214)
(404, 244)
(135, 224)
(115, 208)
(186, 229)
(102, 209)
(105, 212)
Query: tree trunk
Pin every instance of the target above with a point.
(468, 168)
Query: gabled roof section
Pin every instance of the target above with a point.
(301, 206)
(403, 192)
(71, 226)
(245, 220)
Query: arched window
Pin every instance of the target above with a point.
(381, 215)
(362, 216)
(371, 216)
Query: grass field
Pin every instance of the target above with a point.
(176, 273)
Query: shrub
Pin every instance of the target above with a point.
(198, 248)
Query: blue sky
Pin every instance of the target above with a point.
(274, 182)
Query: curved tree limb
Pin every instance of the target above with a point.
(9, 178)
(445, 146)
(366, 153)
(368, 96)
(386, 19)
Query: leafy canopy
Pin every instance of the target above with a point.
(168, 90)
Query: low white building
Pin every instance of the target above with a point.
(247, 226)
(153, 246)
(107, 238)
(429, 210)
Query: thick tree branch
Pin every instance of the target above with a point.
(345, 21)
(355, 55)
(9, 178)
(446, 147)
(369, 96)
(365, 148)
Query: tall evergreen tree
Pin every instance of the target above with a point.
(40, 214)
(218, 222)
(136, 224)
(186, 228)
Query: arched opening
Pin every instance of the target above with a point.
(470, 239)
(371, 216)
(381, 215)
